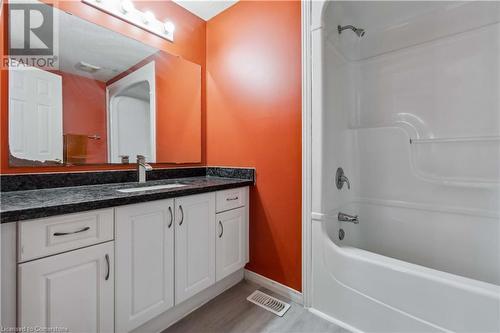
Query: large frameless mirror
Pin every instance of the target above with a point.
(109, 99)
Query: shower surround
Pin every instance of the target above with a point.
(409, 108)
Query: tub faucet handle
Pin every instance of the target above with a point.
(340, 179)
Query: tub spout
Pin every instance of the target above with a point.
(342, 217)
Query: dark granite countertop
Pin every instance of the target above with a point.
(23, 205)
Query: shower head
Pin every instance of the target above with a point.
(357, 31)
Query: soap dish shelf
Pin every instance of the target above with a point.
(455, 140)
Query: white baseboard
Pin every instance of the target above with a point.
(334, 321)
(180, 311)
(274, 286)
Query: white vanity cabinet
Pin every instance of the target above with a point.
(231, 242)
(73, 286)
(46, 236)
(73, 290)
(117, 269)
(194, 245)
(232, 231)
(144, 246)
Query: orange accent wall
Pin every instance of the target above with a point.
(190, 43)
(254, 119)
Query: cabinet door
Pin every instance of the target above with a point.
(144, 245)
(72, 290)
(231, 242)
(194, 245)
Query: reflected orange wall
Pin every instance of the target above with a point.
(84, 105)
(254, 119)
(189, 43)
(178, 120)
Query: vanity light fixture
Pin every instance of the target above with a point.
(148, 17)
(125, 10)
(169, 27)
(126, 6)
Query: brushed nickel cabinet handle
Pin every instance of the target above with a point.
(72, 232)
(108, 266)
(221, 229)
(171, 217)
(232, 199)
(182, 215)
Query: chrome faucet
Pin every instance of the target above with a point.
(343, 217)
(340, 179)
(142, 167)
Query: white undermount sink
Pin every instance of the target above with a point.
(150, 188)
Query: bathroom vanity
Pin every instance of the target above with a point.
(136, 258)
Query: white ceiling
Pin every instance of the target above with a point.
(206, 9)
(82, 41)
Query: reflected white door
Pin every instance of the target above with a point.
(35, 114)
(130, 128)
(131, 111)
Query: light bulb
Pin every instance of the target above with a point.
(127, 6)
(168, 26)
(148, 17)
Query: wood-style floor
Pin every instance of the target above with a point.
(230, 312)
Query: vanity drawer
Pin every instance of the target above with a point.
(42, 237)
(230, 199)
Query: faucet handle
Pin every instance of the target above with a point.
(141, 159)
(346, 180)
(340, 179)
(124, 159)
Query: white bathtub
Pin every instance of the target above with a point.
(373, 293)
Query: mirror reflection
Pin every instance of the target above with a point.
(111, 98)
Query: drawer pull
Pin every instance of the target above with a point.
(108, 266)
(232, 199)
(71, 233)
(221, 229)
(171, 217)
(182, 215)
